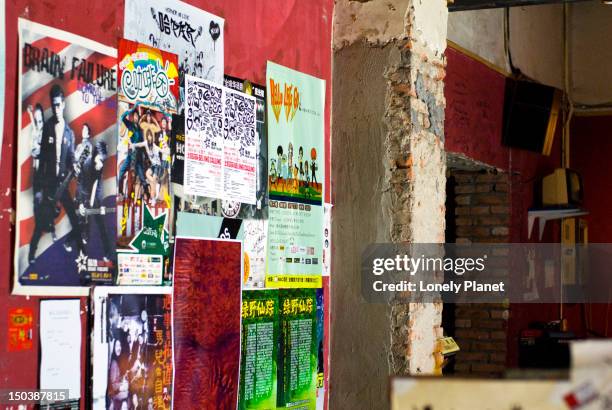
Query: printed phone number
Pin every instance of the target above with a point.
(33, 396)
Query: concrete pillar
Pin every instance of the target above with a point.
(389, 179)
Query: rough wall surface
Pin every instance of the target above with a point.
(360, 331)
(389, 102)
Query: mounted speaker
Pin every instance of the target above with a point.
(531, 113)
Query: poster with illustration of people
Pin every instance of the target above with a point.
(295, 113)
(194, 34)
(148, 96)
(132, 348)
(66, 183)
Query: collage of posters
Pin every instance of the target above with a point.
(65, 175)
(185, 204)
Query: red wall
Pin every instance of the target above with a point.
(474, 117)
(294, 33)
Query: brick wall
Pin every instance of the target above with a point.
(482, 215)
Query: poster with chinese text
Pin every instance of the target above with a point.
(297, 358)
(260, 332)
(132, 347)
(207, 309)
(66, 156)
(194, 34)
(295, 113)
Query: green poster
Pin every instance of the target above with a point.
(298, 352)
(296, 175)
(259, 346)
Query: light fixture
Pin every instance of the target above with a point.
(608, 2)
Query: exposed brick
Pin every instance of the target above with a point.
(488, 324)
(463, 323)
(463, 367)
(462, 210)
(501, 188)
(498, 220)
(498, 335)
(481, 231)
(489, 177)
(465, 221)
(500, 231)
(490, 199)
(472, 356)
(463, 241)
(463, 199)
(480, 210)
(500, 210)
(471, 313)
(465, 189)
(489, 346)
(488, 367)
(499, 314)
(483, 188)
(498, 357)
(472, 334)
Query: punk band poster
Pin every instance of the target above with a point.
(195, 35)
(132, 347)
(148, 97)
(66, 171)
(295, 108)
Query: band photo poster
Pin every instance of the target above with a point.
(132, 347)
(66, 184)
(148, 97)
(296, 177)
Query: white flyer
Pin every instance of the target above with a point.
(239, 149)
(203, 175)
(60, 345)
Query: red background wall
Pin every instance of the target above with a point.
(474, 117)
(293, 33)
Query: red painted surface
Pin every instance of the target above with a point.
(474, 117)
(293, 33)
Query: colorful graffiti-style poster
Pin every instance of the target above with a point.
(132, 348)
(296, 104)
(260, 332)
(148, 75)
(143, 178)
(66, 174)
(194, 34)
(207, 309)
(298, 368)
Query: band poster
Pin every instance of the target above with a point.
(148, 96)
(195, 35)
(207, 290)
(66, 163)
(297, 359)
(132, 347)
(215, 206)
(259, 349)
(220, 142)
(295, 114)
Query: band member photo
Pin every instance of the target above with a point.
(56, 167)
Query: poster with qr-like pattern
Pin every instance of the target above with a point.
(239, 151)
(203, 174)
